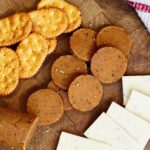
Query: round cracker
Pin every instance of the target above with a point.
(85, 92)
(65, 69)
(116, 37)
(108, 64)
(14, 28)
(31, 52)
(9, 71)
(82, 43)
(52, 43)
(74, 14)
(47, 105)
(49, 22)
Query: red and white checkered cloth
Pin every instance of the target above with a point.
(142, 7)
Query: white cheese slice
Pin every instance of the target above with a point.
(72, 142)
(139, 104)
(135, 126)
(104, 129)
(138, 83)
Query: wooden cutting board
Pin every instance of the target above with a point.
(95, 15)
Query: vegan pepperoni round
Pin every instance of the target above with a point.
(108, 64)
(116, 37)
(85, 93)
(47, 105)
(82, 43)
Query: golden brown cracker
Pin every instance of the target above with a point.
(47, 105)
(16, 129)
(49, 22)
(72, 11)
(82, 43)
(14, 28)
(65, 69)
(108, 64)
(9, 71)
(52, 43)
(116, 37)
(85, 92)
(31, 52)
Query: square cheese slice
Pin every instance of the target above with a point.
(104, 129)
(138, 83)
(72, 142)
(134, 125)
(139, 104)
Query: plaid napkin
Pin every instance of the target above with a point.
(142, 7)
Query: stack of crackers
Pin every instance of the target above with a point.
(36, 35)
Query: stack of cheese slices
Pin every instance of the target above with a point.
(120, 128)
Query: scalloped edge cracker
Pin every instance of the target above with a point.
(31, 52)
(72, 11)
(14, 28)
(52, 43)
(9, 71)
(49, 22)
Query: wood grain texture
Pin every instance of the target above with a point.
(96, 14)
